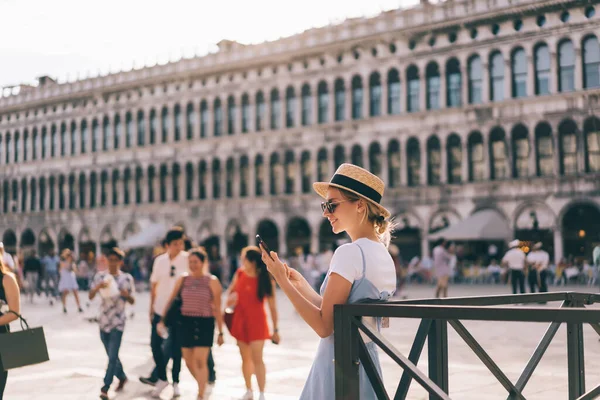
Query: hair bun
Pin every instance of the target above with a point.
(380, 218)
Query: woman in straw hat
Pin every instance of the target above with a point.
(360, 270)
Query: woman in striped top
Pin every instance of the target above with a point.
(200, 302)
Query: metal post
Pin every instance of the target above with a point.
(437, 349)
(575, 359)
(346, 348)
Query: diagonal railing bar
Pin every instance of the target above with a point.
(596, 327)
(486, 359)
(401, 360)
(592, 394)
(371, 371)
(538, 353)
(413, 356)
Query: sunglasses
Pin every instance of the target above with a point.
(330, 207)
(172, 271)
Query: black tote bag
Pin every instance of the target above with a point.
(22, 348)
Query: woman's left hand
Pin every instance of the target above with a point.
(275, 338)
(274, 265)
(220, 340)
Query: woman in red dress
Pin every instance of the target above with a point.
(251, 286)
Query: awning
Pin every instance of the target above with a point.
(482, 225)
(150, 235)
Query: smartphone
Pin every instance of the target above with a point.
(262, 243)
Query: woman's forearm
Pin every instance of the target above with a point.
(307, 310)
(7, 319)
(311, 295)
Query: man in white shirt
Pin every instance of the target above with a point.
(167, 268)
(7, 258)
(514, 259)
(538, 259)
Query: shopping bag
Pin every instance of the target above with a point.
(24, 347)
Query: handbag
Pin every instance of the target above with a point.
(22, 348)
(173, 314)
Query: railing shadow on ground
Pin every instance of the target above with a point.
(435, 316)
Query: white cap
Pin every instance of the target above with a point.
(1, 245)
(514, 243)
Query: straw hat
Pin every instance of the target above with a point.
(356, 180)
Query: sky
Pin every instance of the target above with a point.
(66, 39)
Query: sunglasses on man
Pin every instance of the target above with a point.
(330, 206)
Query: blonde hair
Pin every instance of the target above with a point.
(383, 227)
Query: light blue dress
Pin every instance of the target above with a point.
(320, 384)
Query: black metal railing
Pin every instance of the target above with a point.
(436, 315)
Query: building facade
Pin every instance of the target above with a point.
(459, 106)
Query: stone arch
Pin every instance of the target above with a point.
(86, 243)
(442, 219)
(407, 235)
(534, 222)
(9, 239)
(130, 229)
(46, 241)
(269, 232)
(65, 240)
(580, 229)
(107, 238)
(27, 241)
(298, 234)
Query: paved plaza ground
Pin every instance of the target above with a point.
(77, 358)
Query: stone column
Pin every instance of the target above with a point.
(366, 100)
(464, 160)
(578, 67)
(251, 184)
(384, 94)
(558, 245)
(171, 134)
(424, 163)
(424, 244)
(331, 105)
(508, 79)
(314, 241)
(385, 170)
(556, 153)
(531, 75)
(443, 160)
(88, 194)
(348, 99)
(147, 112)
(98, 193)
(422, 89)
(443, 85)
(464, 82)
(315, 102)
(210, 126)
(486, 158)
(485, 82)
(553, 86)
(298, 174)
(532, 164)
(403, 161)
(209, 180)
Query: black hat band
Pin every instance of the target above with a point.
(356, 186)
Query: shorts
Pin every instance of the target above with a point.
(196, 331)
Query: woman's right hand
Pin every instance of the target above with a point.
(232, 299)
(294, 276)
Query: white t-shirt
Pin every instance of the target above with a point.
(515, 258)
(8, 260)
(380, 270)
(165, 277)
(539, 258)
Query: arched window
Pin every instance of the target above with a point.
(375, 159)
(476, 157)
(115, 187)
(475, 71)
(163, 183)
(356, 155)
(306, 105)
(190, 121)
(229, 176)
(433, 86)
(33, 196)
(413, 158)
(567, 132)
(42, 206)
(357, 97)
(139, 184)
(290, 172)
(498, 154)
(434, 161)
(542, 69)
(290, 107)
(393, 100)
(106, 139)
(545, 150)
(141, 129)
(45, 146)
(453, 83)
(175, 175)
(93, 188)
(339, 156)
(118, 131)
(394, 166)
(375, 94)
(566, 66)
(275, 110)
(322, 102)
(202, 179)
(82, 191)
(322, 165)
(203, 118)
(151, 176)
(260, 111)
(129, 127)
(178, 122)
(189, 181)
(306, 167)
(274, 174)
(340, 100)
(244, 176)
(218, 118)
(17, 141)
(413, 86)
(521, 151)
(103, 192)
(591, 131)
(96, 137)
(231, 115)
(591, 62)
(216, 182)
(519, 73)
(164, 125)
(454, 158)
(245, 113)
(153, 126)
(71, 192)
(26, 143)
(496, 68)
(259, 175)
